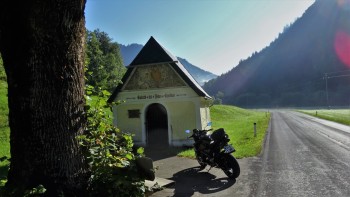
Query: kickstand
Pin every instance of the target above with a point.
(210, 168)
(201, 168)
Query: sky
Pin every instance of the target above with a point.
(211, 34)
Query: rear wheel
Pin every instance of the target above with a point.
(230, 166)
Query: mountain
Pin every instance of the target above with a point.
(307, 65)
(199, 74)
(129, 52)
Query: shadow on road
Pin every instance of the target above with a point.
(158, 152)
(191, 180)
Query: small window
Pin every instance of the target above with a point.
(134, 113)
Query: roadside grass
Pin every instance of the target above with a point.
(4, 133)
(336, 115)
(239, 125)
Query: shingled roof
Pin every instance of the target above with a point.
(153, 53)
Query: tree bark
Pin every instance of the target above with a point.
(42, 45)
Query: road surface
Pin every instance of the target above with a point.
(305, 156)
(302, 156)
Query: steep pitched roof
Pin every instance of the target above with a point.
(153, 53)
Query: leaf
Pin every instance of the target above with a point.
(3, 158)
(125, 163)
(129, 156)
(89, 87)
(88, 98)
(106, 93)
(140, 150)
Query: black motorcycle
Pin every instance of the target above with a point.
(214, 150)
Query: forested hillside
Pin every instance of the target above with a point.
(291, 70)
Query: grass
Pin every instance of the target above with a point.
(336, 115)
(239, 125)
(4, 132)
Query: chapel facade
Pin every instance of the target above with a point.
(160, 99)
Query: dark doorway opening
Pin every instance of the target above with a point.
(157, 125)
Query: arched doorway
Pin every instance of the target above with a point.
(156, 125)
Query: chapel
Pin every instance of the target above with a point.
(160, 99)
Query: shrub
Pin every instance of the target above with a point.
(109, 153)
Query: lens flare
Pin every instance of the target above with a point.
(345, 4)
(342, 47)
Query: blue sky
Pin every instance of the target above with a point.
(211, 34)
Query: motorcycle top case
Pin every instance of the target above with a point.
(218, 135)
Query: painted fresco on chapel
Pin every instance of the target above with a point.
(153, 77)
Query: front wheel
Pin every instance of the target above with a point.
(230, 166)
(200, 161)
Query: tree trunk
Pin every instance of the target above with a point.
(42, 45)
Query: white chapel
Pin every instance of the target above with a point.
(161, 100)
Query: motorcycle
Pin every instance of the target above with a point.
(214, 150)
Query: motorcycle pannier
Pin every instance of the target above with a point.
(218, 135)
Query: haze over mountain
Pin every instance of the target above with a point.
(129, 52)
(291, 70)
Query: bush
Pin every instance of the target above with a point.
(109, 153)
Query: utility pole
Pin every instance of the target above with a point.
(331, 75)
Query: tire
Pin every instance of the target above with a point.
(230, 166)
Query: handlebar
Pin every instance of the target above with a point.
(196, 131)
(205, 130)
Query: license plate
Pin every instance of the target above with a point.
(229, 149)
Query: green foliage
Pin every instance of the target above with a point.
(2, 70)
(104, 62)
(109, 152)
(218, 98)
(34, 192)
(3, 106)
(337, 115)
(4, 134)
(40, 189)
(4, 166)
(239, 125)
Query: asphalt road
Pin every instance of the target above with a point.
(303, 156)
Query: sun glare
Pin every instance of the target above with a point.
(342, 46)
(345, 4)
